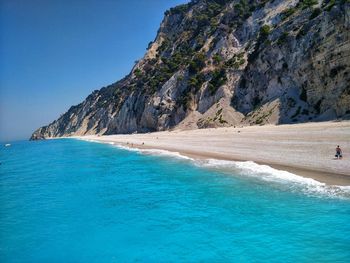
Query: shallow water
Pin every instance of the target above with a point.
(76, 201)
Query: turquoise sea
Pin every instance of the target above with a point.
(76, 201)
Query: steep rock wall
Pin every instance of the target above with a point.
(227, 62)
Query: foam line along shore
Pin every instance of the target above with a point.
(303, 149)
(249, 170)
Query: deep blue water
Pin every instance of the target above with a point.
(76, 201)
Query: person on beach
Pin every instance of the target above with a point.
(338, 152)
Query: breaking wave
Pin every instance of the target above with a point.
(269, 174)
(251, 169)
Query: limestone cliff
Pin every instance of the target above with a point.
(228, 62)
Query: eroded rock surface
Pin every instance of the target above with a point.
(224, 63)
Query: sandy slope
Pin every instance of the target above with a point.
(305, 149)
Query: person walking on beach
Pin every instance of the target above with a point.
(338, 152)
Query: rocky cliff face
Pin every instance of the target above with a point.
(228, 62)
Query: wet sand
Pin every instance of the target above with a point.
(304, 149)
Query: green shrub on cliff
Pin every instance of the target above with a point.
(165, 44)
(138, 73)
(217, 59)
(307, 3)
(196, 82)
(218, 79)
(265, 31)
(180, 9)
(287, 13)
(197, 63)
(315, 13)
(236, 61)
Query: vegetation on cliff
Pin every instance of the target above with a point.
(259, 61)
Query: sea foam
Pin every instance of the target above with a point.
(294, 182)
(158, 152)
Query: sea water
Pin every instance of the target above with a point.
(75, 201)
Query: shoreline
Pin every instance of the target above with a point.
(304, 147)
(323, 177)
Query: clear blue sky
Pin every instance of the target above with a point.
(53, 53)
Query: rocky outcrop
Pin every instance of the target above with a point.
(227, 62)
